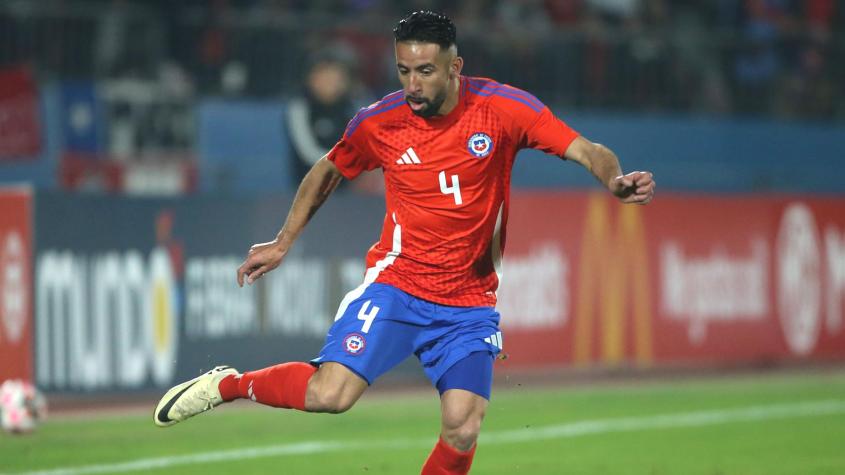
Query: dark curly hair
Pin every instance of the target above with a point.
(426, 26)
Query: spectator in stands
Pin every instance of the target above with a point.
(759, 60)
(523, 26)
(605, 56)
(648, 53)
(128, 41)
(564, 13)
(808, 90)
(214, 47)
(318, 116)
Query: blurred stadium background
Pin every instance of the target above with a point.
(144, 145)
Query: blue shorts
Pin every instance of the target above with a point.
(378, 326)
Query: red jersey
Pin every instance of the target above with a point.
(447, 181)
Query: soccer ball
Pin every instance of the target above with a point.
(22, 406)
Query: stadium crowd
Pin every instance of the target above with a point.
(746, 57)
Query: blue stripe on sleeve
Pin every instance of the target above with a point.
(488, 88)
(388, 102)
(526, 95)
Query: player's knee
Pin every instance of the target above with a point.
(338, 403)
(460, 430)
(462, 437)
(330, 399)
(333, 389)
(457, 416)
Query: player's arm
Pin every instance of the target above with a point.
(317, 185)
(635, 187)
(535, 126)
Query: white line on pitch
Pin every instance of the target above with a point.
(573, 429)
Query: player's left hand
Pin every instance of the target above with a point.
(635, 187)
(261, 259)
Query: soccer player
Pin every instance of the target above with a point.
(446, 144)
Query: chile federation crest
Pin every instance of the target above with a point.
(480, 145)
(354, 343)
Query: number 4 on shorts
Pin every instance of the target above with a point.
(367, 317)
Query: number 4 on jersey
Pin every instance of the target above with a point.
(367, 317)
(455, 189)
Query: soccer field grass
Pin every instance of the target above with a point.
(777, 424)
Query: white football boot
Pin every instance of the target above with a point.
(191, 397)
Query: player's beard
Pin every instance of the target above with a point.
(432, 106)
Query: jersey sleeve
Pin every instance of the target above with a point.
(350, 160)
(549, 134)
(352, 155)
(533, 124)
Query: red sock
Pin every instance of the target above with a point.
(447, 460)
(282, 385)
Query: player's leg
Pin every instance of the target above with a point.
(330, 388)
(464, 395)
(296, 385)
(457, 353)
(461, 415)
(359, 348)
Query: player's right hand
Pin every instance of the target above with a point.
(635, 187)
(261, 259)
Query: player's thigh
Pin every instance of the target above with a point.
(371, 334)
(474, 373)
(459, 351)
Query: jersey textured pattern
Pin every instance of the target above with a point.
(447, 182)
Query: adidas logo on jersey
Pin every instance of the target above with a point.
(409, 158)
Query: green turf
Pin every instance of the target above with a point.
(803, 444)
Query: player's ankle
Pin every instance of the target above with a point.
(228, 387)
